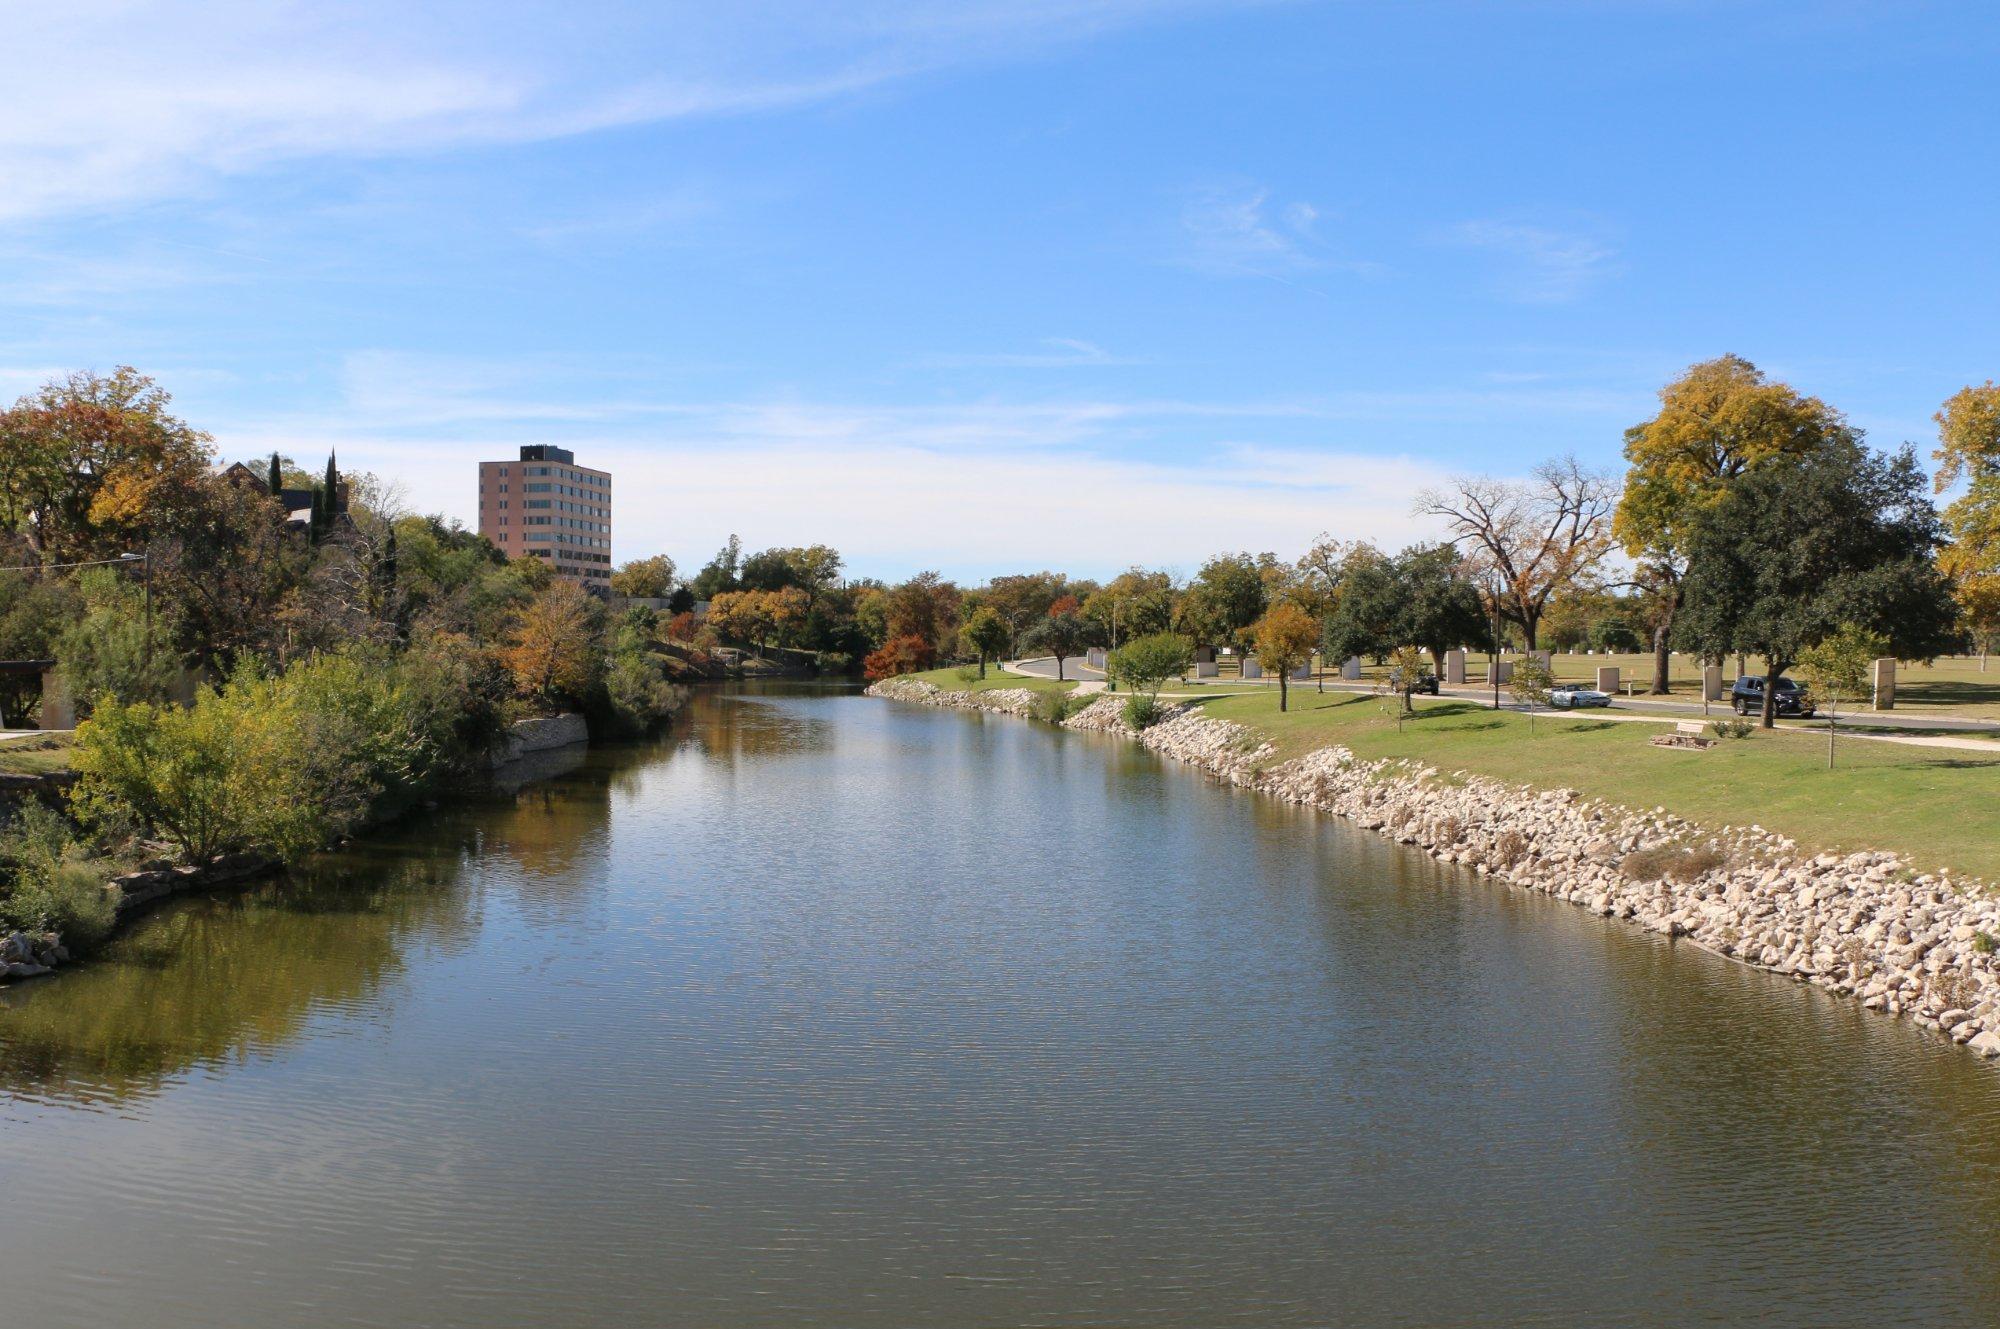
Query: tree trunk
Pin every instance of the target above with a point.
(1530, 626)
(982, 664)
(1282, 694)
(1773, 671)
(1661, 659)
(1059, 676)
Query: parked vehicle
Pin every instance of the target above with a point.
(1576, 697)
(1426, 682)
(1748, 697)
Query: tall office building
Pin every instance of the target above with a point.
(546, 506)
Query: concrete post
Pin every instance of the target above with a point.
(1500, 671)
(1251, 669)
(1607, 679)
(1885, 684)
(1204, 669)
(1352, 668)
(1454, 667)
(1547, 658)
(1303, 674)
(58, 711)
(1711, 682)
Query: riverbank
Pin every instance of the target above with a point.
(1866, 925)
(35, 954)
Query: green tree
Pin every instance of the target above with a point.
(1793, 550)
(1062, 635)
(1441, 606)
(1837, 667)
(1284, 639)
(1144, 664)
(645, 578)
(719, 574)
(1369, 618)
(985, 634)
(115, 651)
(1718, 421)
(1226, 597)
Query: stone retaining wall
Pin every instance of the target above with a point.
(554, 731)
(1862, 925)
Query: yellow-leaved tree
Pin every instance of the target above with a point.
(1969, 447)
(1717, 421)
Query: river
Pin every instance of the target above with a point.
(824, 1010)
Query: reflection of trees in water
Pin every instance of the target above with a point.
(733, 725)
(207, 980)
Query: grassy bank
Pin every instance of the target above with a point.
(964, 678)
(36, 754)
(1934, 806)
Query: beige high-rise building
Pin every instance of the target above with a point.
(545, 506)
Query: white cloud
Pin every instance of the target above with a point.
(1540, 265)
(108, 103)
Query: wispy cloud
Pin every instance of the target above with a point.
(1236, 231)
(1539, 264)
(108, 103)
(1058, 353)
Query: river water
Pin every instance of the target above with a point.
(825, 1010)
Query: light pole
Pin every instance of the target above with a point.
(1111, 675)
(1493, 651)
(146, 579)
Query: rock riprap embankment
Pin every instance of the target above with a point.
(1864, 925)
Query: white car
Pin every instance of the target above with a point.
(1576, 697)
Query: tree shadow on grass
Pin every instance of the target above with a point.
(1592, 726)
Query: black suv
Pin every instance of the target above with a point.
(1426, 682)
(1748, 697)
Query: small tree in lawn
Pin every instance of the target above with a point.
(985, 634)
(1531, 683)
(1836, 669)
(1144, 664)
(1407, 665)
(1284, 639)
(1062, 635)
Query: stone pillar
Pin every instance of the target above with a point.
(1885, 684)
(1454, 667)
(1607, 679)
(1303, 674)
(1500, 671)
(58, 711)
(1352, 668)
(1251, 669)
(1547, 658)
(1711, 682)
(1204, 669)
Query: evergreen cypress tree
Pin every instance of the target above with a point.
(332, 489)
(317, 525)
(277, 480)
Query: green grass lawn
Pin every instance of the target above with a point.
(964, 678)
(36, 754)
(1935, 806)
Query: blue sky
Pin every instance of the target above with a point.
(993, 285)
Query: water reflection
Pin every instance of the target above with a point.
(821, 1011)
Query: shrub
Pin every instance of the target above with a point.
(1984, 943)
(1143, 712)
(907, 654)
(1672, 863)
(1055, 707)
(966, 674)
(1732, 728)
(45, 889)
(1510, 847)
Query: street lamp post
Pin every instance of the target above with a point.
(146, 580)
(1493, 651)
